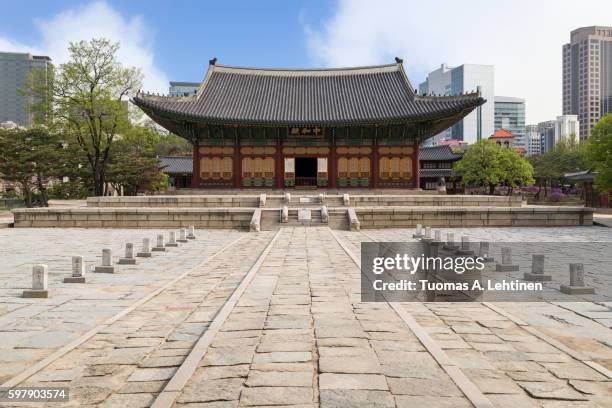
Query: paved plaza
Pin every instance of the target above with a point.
(275, 319)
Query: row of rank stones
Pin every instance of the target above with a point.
(576, 284)
(40, 272)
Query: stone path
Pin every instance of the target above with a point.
(299, 335)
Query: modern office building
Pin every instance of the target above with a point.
(183, 88)
(534, 140)
(447, 81)
(510, 116)
(587, 76)
(15, 68)
(566, 126)
(547, 135)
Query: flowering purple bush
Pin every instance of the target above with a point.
(576, 191)
(531, 189)
(556, 195)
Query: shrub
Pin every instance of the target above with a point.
(556, 196)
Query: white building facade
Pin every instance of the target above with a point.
(448, 80)
(567, 126)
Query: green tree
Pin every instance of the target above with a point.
(31, 158)
(88, 102)
(597, 152)
(480, 165)
(134, 165)
(487, 164)
(516, 170)
(551, 167)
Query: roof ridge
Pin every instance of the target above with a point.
(320, 69)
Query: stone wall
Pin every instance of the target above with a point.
(235, 218)
(474, 217)
(434, 201)
(217, 201)
(273, 201)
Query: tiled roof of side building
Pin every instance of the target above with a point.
(176, 164)
(439, 153)
(342, 96)
(424, 173)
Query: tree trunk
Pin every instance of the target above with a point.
(43, 190)
(491, 189)
(27, 195)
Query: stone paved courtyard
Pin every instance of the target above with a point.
(275, 319)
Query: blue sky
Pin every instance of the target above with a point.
(173, 40)
(184, 35)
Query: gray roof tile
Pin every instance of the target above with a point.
(376, 94)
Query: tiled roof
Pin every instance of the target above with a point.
(424, 173)
(375, 94)
(501, 134)
(439, 153)
(176, 164)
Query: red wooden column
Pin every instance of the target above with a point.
(237, 165)
(195, 176)
(416, 166)
(374, 163)
(332, 174)
(279, 162)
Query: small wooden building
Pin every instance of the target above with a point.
(436, 167)
(279, 128)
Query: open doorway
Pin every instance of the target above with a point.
(306, 171)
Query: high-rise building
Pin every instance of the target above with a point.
(15, 68)
(566, 126)
(547, 135)
(183, 88)
(587, 76)
(448, 80)
(510, 115)
(534, 140)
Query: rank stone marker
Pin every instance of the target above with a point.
(537, 270)
(172, 240)
(182, 235)
(438, 236)
(576, 286)
(146, 249)
(129, 255)
(418, 232)
(191, 232)
(78, 271)
(506, 265)
(450, 242)
(40, 278)
(427, 238)
(159, 247)
(483, 252)
(465, 246)
(287, 198)
(107, 262)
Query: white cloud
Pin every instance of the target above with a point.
(96, 20)
(522, 38)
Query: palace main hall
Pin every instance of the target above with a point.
(317, 128)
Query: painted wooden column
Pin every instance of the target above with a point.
(279, 161)
(237, 168)
(195, 175)
(416, 166)
(374, 160)
(332, 164)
